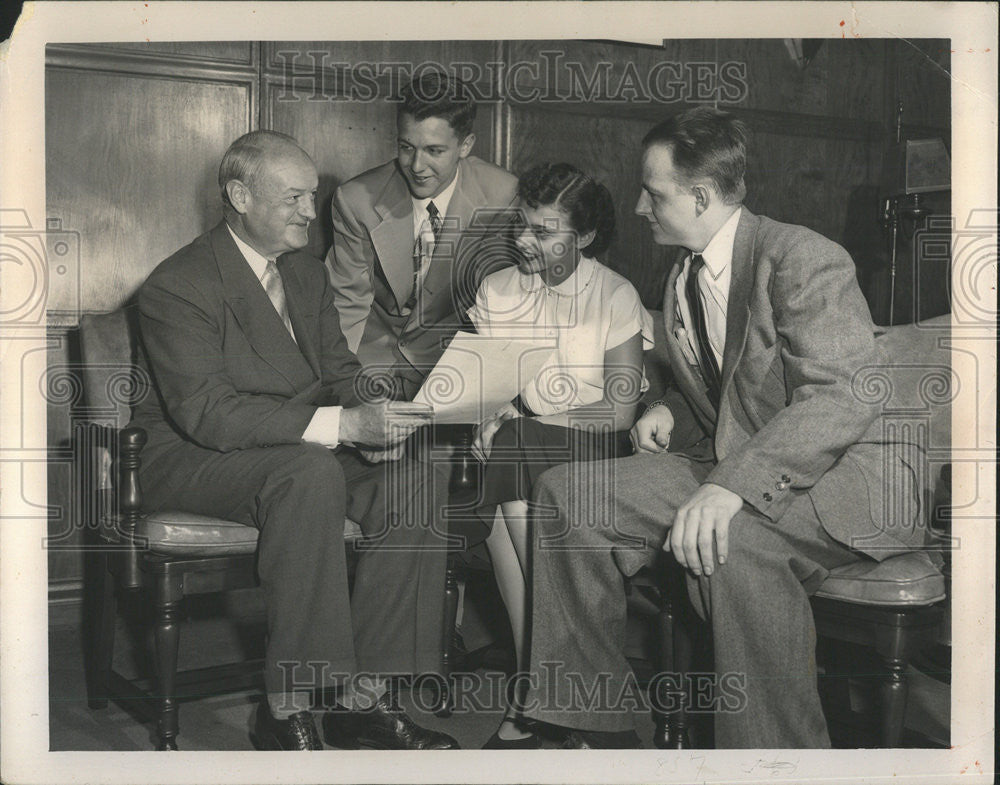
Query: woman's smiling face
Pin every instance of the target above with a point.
(548, 243)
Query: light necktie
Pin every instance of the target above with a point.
(271, 279)
(706, 357)
(422, 250)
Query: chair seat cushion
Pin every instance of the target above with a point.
(188, 534)
(907, 579)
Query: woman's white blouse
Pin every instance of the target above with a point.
(593, 310)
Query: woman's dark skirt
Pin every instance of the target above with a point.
(523, 449)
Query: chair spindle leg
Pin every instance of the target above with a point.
(168, 633)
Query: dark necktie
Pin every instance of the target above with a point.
(419, 251)
(706, 357)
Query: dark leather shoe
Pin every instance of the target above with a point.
(384, 726)
(602, 740)
(298, 732)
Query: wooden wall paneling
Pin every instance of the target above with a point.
(374, 71)
(690, 50)
(805, 181)
(131, 164)
(500, 113)
(843, 80)
(921, 72)
(917, 73)
(242, 64)
(622, 76)
(686, 72)
(344, 139)
(347, 135)
(404, 55)
(194, 52)
(855, 75)
(608, 149)
(62, 391)
(864, 237)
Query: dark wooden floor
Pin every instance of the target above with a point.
(222, 722)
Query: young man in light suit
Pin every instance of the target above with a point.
(413, 238)
(790, 480)
(255, 392)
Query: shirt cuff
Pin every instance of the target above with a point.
(324, 427)
(522, 408)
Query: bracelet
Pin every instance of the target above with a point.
(657, 402)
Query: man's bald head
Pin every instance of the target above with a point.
(269, 186)
(247, 156)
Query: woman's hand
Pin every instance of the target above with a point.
(482, 441)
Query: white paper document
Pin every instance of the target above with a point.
(477, 375)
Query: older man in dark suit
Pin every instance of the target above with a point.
(766, 327)
(256, 394)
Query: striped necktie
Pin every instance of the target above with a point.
(271, 280)
(435, 219)
(422, 251)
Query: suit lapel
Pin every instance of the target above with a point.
(738, 308)
(393, 237)
(253, 310)
(692, 384)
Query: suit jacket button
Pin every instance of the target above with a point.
(767, 497)
(785, 478)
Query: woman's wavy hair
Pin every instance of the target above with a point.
(585, 201)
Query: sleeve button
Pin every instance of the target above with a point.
(785, 478)
(780, 486)
(767, 497)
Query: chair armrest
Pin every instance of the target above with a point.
(131, 440)
(130, 443)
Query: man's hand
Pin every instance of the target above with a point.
(383, 424)
(701, 522)
(482, 441)
(651, 434)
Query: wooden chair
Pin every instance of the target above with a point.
(894, 607)
(169, 555)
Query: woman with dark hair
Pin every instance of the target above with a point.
(582, 403)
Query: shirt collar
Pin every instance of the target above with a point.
(718, 254)
(257, 262)
(573, 285)
(441, 201)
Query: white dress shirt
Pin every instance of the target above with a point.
(593, 310)
(423, 234)
(714, 289)
(324, 427)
